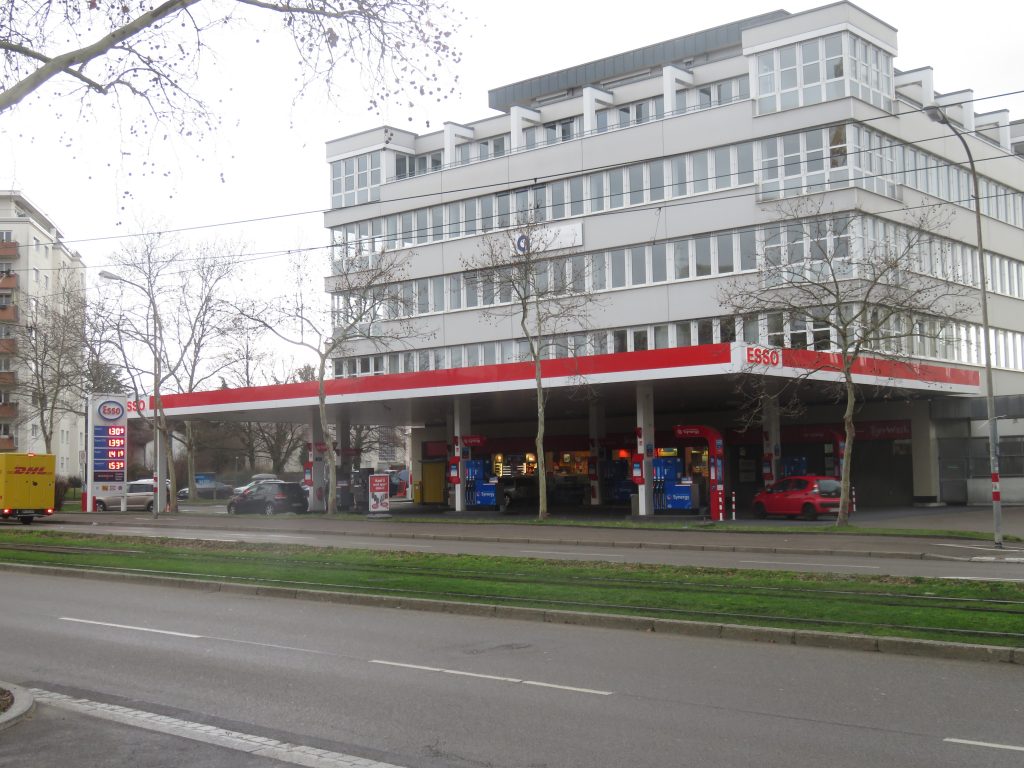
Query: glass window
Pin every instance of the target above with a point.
(615, 187)
(576, 196)
(681, 258)
(636, 184)
(656, 169)
(597, 192)
(597, 271)
(706, 331)
(619, 341)
(702, 249)
(618, 269)
(471, 218)
(454, 291)
(658, 270)
(640, 340)
(725, 256)
(684, 336)
(638, 265)
(700, 172)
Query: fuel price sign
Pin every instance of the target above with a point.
(108, 456)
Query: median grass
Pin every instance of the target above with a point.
(933, 609)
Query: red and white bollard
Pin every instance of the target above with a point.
(734, 505)
(853, 499)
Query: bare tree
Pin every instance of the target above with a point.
(858, 288)
(196, 333)
(49, 348)
(152, 51)
(179, 323)
(367, 315)
(538, 279)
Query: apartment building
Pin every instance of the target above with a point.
(667, 168)
(36, 271)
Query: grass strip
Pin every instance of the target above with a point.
(934, 609)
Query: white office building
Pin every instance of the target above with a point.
(666, 167)
(36, 269)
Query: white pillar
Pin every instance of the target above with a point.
(671, 77)
(454, 134)
(592, 97)
(924, 452)
(597, 434)
(461, 426)
(771, 431)
(344, 466)
(519, 116)
(645, 445)
(318, 493)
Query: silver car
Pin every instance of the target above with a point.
(140, 496)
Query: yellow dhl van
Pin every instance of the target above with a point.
(26, 485)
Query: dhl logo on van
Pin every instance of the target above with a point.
(28, 471)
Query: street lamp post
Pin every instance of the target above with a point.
(158, 492)
(939, 116)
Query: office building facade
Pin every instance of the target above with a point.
(668, 172)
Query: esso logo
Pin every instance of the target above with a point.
(763, 356)
(111, 410)
(136, 406)
(522, 244)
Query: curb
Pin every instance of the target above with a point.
(615, 544)
(23, 706)
(810, 638)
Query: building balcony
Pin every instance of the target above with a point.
(8, 378)
(8, 281)
(7, 444)
(8, 346)
(8, 250)
(9, 313)
(8, 411)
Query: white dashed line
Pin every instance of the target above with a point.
(129, 626)
(1011, 747)
(498, 678)
(296, 754)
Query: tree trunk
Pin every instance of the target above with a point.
(542, 478)
(330, 499)
(843, 518)
(190, 453)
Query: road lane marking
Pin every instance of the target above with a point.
(287, 752)
(977, 578)
(984, 549)
(570, 554)
(823, 565)
(498, 678)
(968, 742)
(567, 688)
(129, 626)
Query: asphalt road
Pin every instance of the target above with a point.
(798, 552)
(428, 690)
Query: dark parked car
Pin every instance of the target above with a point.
(807, 496)
(270, 498)
(216, 491)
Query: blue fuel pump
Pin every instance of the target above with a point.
(671, 489)
(479, 491)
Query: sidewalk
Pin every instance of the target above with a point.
(791, 537)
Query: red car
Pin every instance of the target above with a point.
(807, 496)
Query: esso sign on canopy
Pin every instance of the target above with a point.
(136, 406)
(110, 410)
(769, 356)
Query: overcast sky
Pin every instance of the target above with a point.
(267, 158)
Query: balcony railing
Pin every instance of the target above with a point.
(8, 250)
(8, 378)
(9, 313)
(8, 346)
(7, 444)
(8, 410)
(8, 280)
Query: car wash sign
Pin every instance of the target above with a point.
(108, 443)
